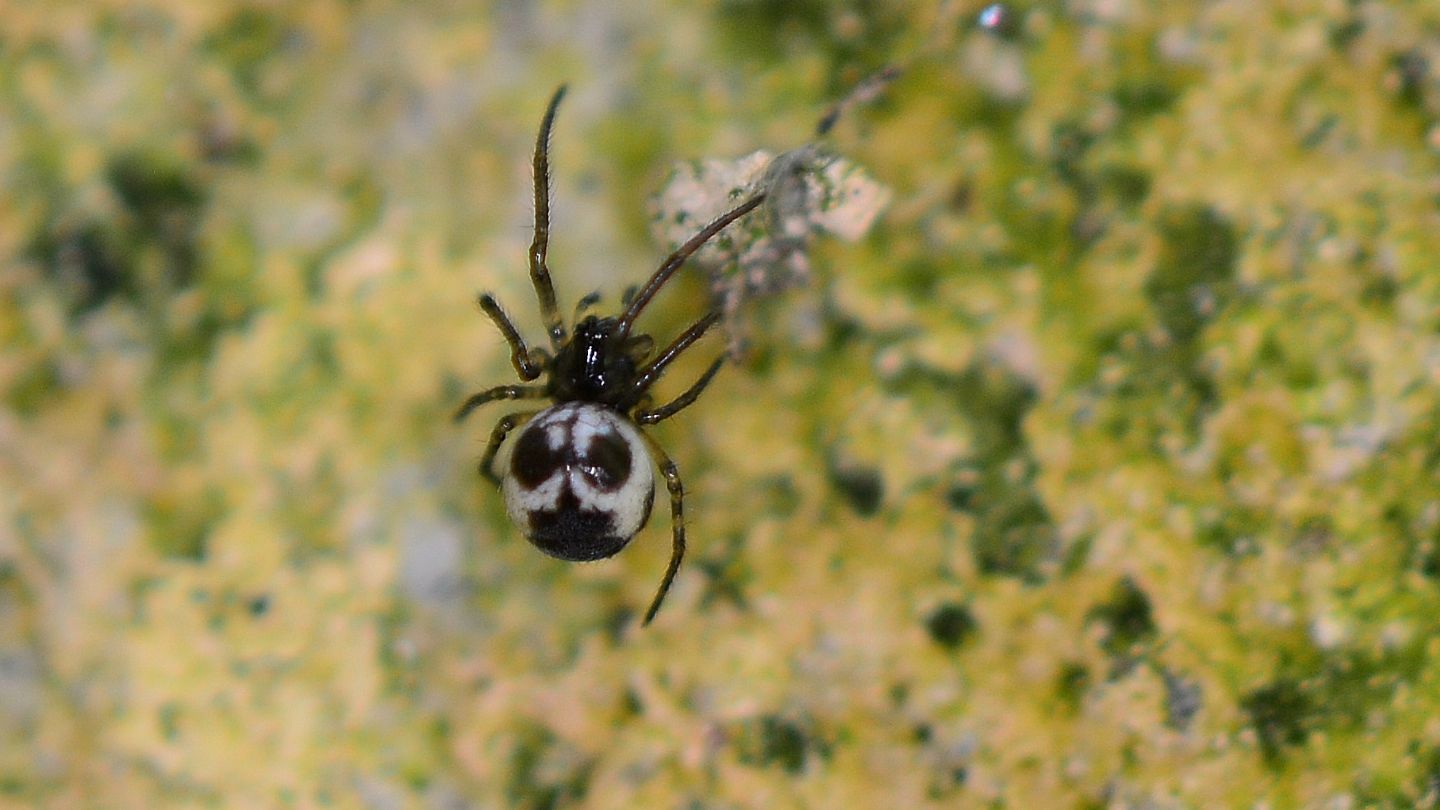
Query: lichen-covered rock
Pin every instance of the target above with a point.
(1100, 470)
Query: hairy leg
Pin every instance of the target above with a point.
(507, 423)
(539, 272)
(497, 393)
(677, 522)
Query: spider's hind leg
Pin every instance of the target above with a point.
(499, 392)
(650, 373)
(645, 416)
(507, 423)
(677, 524)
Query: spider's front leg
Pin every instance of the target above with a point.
(539, 247)
(529, 363)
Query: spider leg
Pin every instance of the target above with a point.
(498, 392)
(677, 524)
(528, 363)
(650, 417)
(507, 423)
(650, 373)
(673, 263)
(539, 272)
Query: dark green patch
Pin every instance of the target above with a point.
(617, 620)
(1315, 532)
(1342, 33)
(960, 493)
(1232, 530)
(951, 625)
(996, 399)
(1014, 535)
(1129, 185)
(1071, 685)
(1127, 617)
(1429, 560)
(142, 255)
(1298, 370)
(772, 740)
(777, 30)
(86, 260)
(770, 29)
(181, 529)
(1380, 291)
(1191, 280)
(919, 277)
(630, 703)
(534, 787)
(1423, 542)
(726, 575)
(1282, 714)
(1355, 684)
(1315, 136)
(1142, 96)
(169, 721)
(1411, 72)
(154, 187)
(861, 487)
(778, 496)
(840, 332)
(1427, 778)
(1070, 141)
(33, 387)
(1416, 786)
(244, 42)
(165, 202)
(1077, 555)
(899, 694)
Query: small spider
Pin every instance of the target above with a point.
(572, 481)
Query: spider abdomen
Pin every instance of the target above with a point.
(579, 481)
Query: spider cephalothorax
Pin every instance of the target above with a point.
(578, 480)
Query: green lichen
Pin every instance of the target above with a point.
(1099, 469)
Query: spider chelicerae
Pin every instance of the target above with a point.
(579, 480)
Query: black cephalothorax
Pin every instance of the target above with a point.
(597, 367)
(572, 481)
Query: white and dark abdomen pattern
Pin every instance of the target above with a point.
(579, 481)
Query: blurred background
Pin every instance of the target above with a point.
(1102, 472)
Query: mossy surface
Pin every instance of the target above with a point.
(1103, 472)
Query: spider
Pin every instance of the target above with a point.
(572, 482)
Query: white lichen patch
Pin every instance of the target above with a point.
(810, 191)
